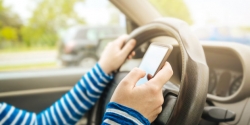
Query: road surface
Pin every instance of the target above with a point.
(32, 57)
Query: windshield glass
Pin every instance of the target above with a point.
(211, 20)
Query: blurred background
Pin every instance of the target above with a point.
(49, 34)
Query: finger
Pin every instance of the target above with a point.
(152, 118)
(128, 47)
(163, 75)
(149, 76)
(131, 55)
(120, 41)
(133, 77)
(159, 109)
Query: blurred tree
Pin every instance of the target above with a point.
(9, 24)
(48, 18)
(245, 28)
(9, 33)
(8, 18)
(173, 8)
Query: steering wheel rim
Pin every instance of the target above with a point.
(194, 78)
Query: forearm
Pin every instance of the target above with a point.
(118, 114)
(9, 115)
(71, 107)
(67, 110)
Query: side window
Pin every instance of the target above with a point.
(45, 34)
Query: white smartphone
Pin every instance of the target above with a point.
(154, 59)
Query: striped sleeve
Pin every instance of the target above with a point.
(10, 115)
(68, 109)
(117, 114)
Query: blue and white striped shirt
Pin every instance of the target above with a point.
(117, 114)
(71, 107)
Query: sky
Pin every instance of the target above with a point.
(221, 12)
(22, 7)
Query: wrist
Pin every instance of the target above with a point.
(117, 113)
(105, 67)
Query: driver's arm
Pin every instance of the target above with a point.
(70, 108)
(137, 105)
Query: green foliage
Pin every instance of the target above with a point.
(55, 14)
(49, 17)
(8, 18)
(9, 25)
(40, 36)
(173, 8)
(9, 33)
(245, 29)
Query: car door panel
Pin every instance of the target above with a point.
(36, 90)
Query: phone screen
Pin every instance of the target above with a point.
(151, 61)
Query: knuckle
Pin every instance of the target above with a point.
(122, 37)
(153, 117)
(169, 68)
(160, 109)
(161, 100)
(130, 45)
(125, 81)
(170, 71)
(154, 89)
(137, 70)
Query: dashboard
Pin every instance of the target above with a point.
(229, 81)
(224, 82)
(227, 68)
(225, 71)
(229, 84)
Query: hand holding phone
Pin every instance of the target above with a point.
(153, 60)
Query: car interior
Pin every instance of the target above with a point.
(210, 84)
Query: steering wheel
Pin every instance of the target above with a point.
(187, 106)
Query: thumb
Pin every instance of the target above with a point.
(162, 76)
(132, 78)
(128, 47)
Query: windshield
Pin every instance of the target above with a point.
(211, 20)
